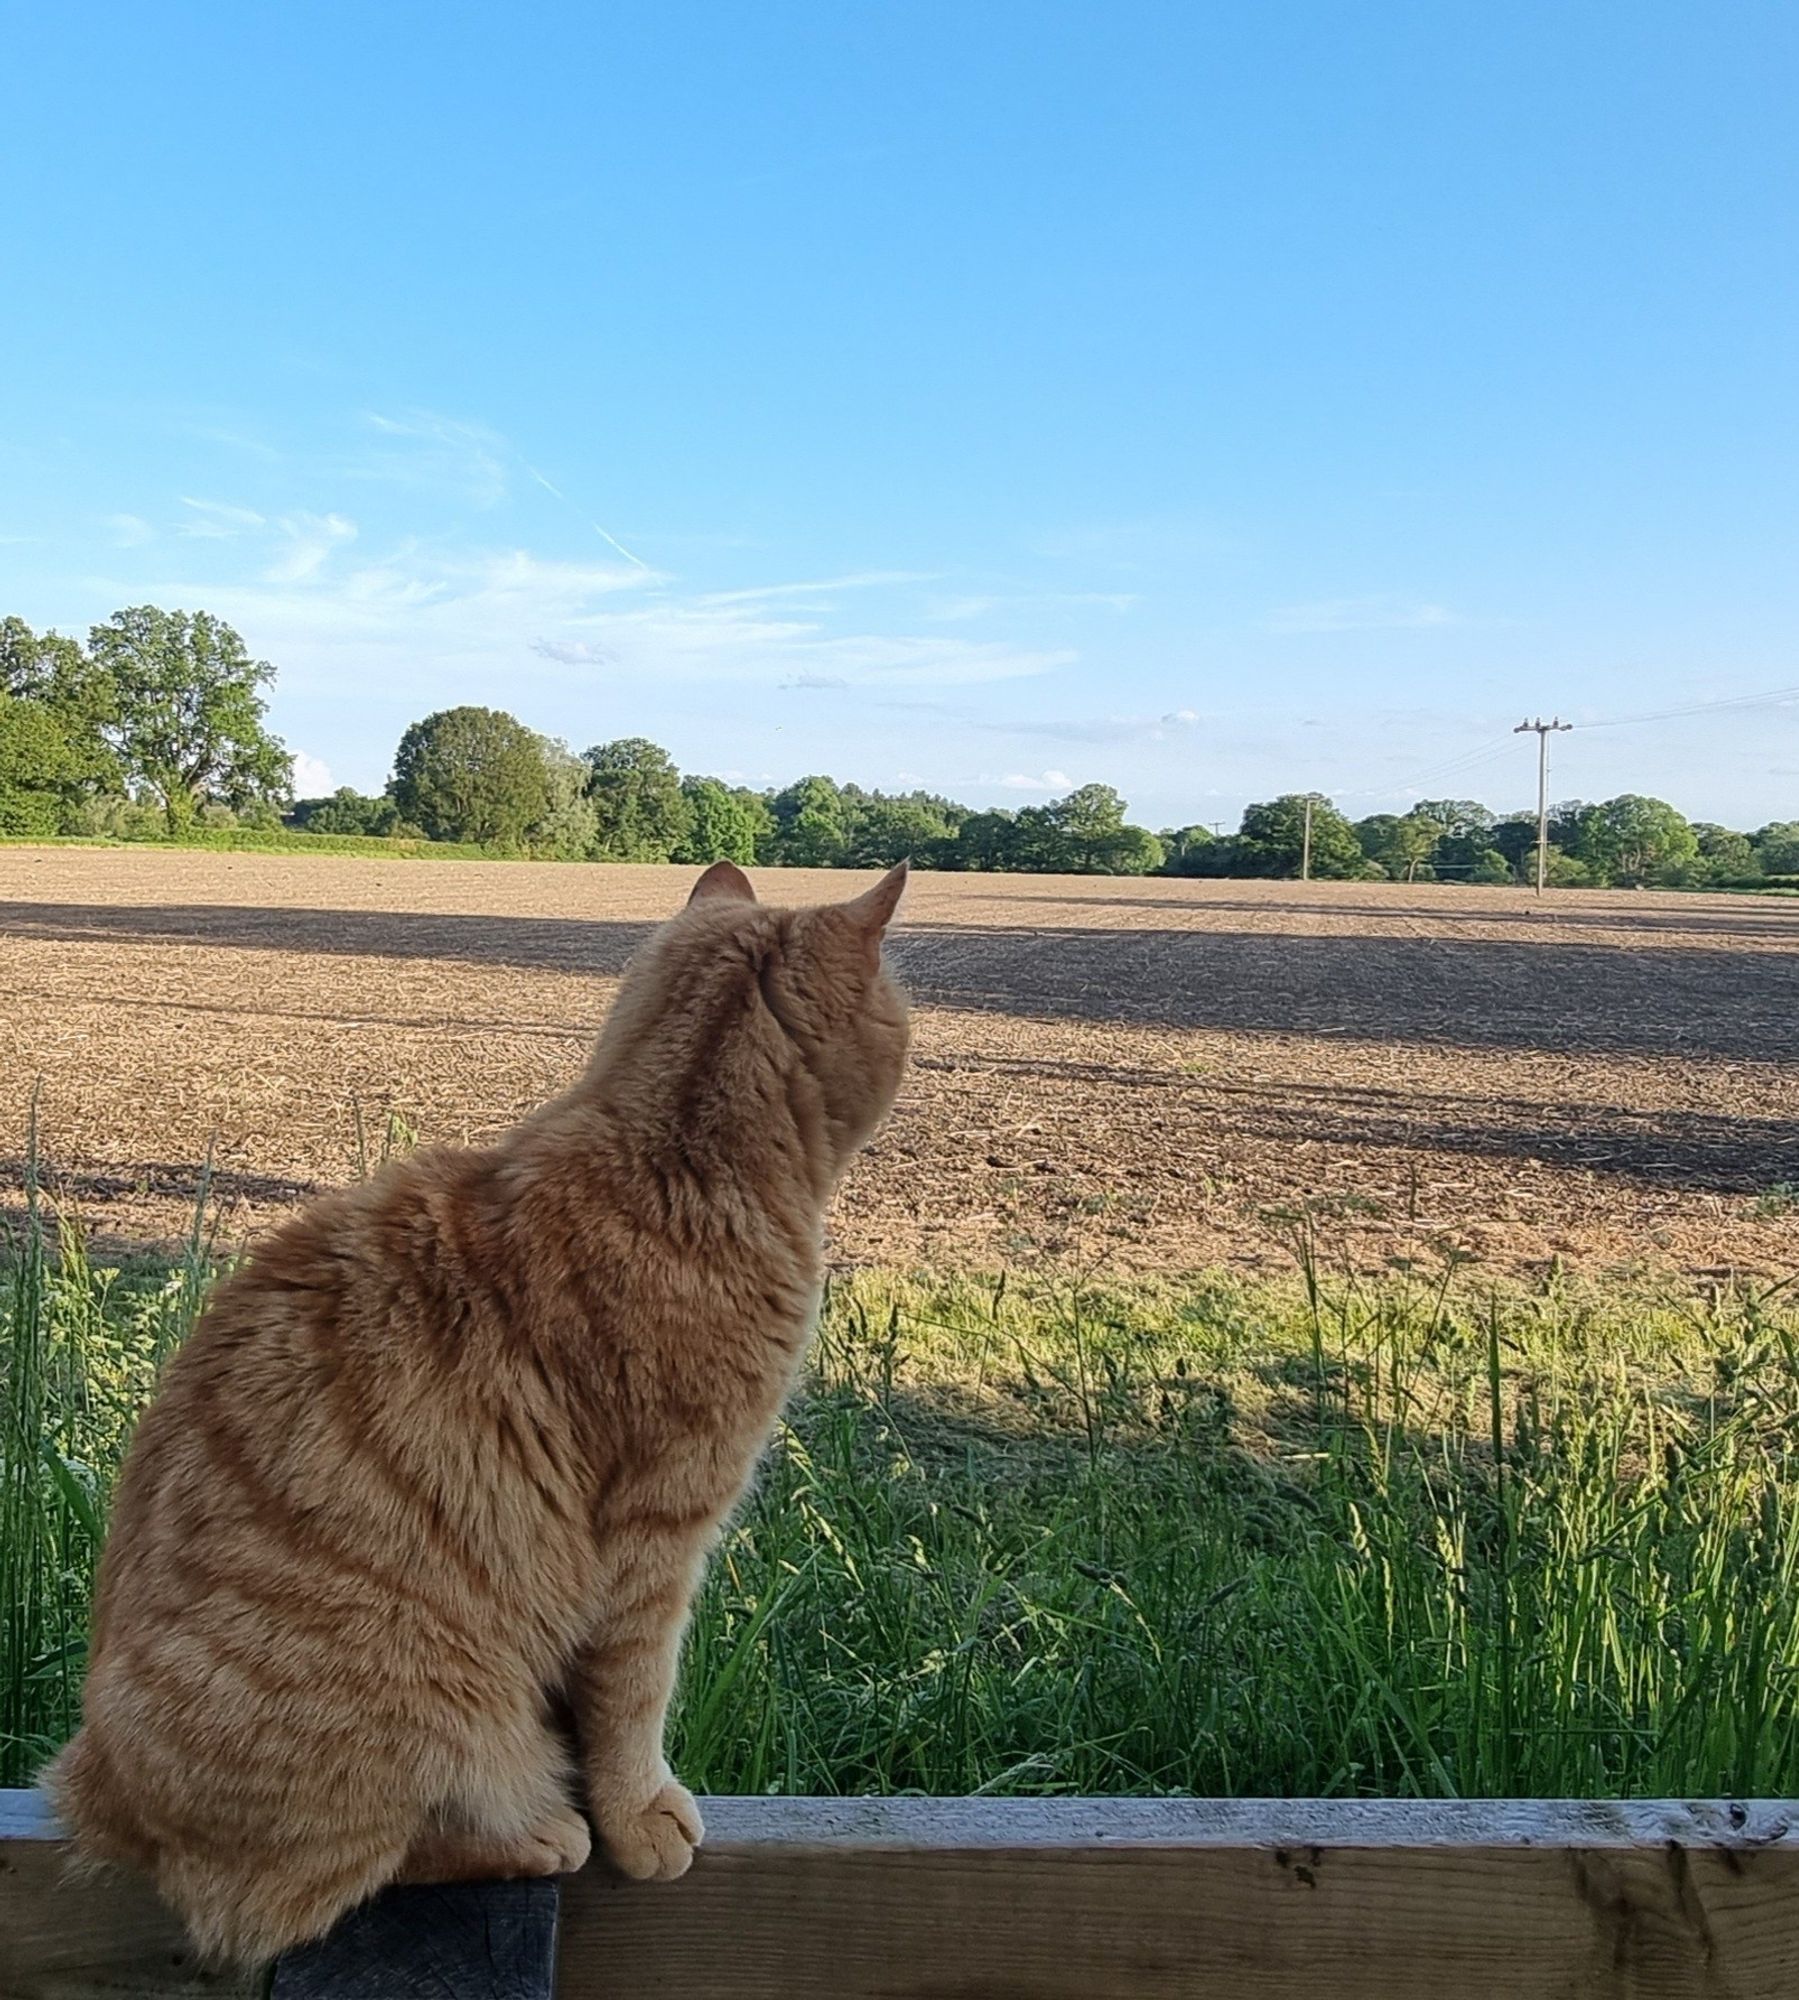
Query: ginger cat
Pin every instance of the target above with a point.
(445, 1458)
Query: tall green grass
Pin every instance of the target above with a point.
(1402, 1536)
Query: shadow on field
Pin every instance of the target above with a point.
(1557, 995)
(1754, 920)
(1711, 1152)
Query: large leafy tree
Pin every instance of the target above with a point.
(722, 824)
(346, 811)
(186, 711)
(640, 812)
(811, 824)
(569, 827)
(40, 773)
(472, 774)
(1189, 850)
(1403, 843)
(57, 673)
(986, 841)
(1777, 847)
(915, 827)
(1722, 852)
(1635, 839)
(1272, 839)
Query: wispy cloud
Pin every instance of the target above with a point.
(869, 579)
(1043, 781)
(1361, 614)
(572, 652)
(129, 531)
(308, 541)
(216, 520)
(1104, 728)
(960, 610)
(408, 610)
(471, 461)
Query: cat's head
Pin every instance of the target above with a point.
(824, 982)
(733, 1001)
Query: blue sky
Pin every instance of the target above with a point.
(1212, 399)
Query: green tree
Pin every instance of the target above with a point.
(722, 824)
(186, 711)
(986, 842)
(56, 672)
(637, 800)
(914, 827)
(1272, 839)
(1459, 819)
(568, 828)
(1491, 866)
(1403, 844)
(1633, 839)
(1515, 838)
(1188, 850)
(1724, 853)
(346, 811)
(1564, 871)
(1131, 850)
(1777, 847)
(811, 824)
(40, 772)
(473, 774)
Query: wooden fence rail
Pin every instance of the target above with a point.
(922, 1899)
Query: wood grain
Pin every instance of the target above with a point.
(105, 1938)
(473, 1940)
(1257, 1899)
(918, 1899)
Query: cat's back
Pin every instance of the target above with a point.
(348, 1401)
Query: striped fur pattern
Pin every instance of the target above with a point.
(403, 1550)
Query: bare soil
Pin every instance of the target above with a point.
(1135, 1074)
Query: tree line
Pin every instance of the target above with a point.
(155, 727)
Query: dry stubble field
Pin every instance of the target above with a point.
(1134, 1074)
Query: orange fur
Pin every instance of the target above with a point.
(445, 1457)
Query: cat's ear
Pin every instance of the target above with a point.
(723, 878)
(873, 909)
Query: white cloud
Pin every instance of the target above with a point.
(1102, 728)
(1361, 614)
(1044, 781)
(309, 540)
(216, 521)
(956, 610)
(572, 652)
(130, 531)
(312, 779)
(815, 681)
(416, 612)
(870, 579)
(441, 454)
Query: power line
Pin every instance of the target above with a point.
(1774, 698)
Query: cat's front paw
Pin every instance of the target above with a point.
(653, 1842)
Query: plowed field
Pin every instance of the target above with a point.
(1138, 1074)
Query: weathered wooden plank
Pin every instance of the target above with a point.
(916, 1899)
(465, 1941)
(1261, 1900)
(103, 1938)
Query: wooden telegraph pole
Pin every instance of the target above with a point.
(1543, 730)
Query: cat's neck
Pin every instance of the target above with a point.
(712, 1161)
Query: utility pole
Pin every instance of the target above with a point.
(1544, 730)
(1305, 851)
